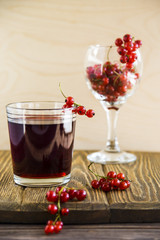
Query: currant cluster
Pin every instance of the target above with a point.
(61, 195)
(79, 109)
(111, 181)
(112, 80)
(127, 49)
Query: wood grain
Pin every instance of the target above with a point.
(10, 194)
(107, 231)
(44, 42)
(139, 203)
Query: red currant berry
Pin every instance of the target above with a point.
(105, 80)
(49, 229)
(65, 106)
(81, 195)
(121, 50)
(129, 65)
(106, 186)
(64, 211)
(90, 70)
(138, 42)
(111, 174)
(123, 59)
(57, 228)
(116, 94)
(90, 113)
(59, 223)
(110, 89)
(127, 38)
(128, 183)
(135, 47)
(101, 88)
(52, 196)
(81, 110)
(128, 46)
(115, 183)
(132, 58)
(50, 222)
(74, 110)
(129, 85)
(109, 72)
(136, 75)
(123, 185)
(59, 188)
(49, 196)
(118, 42)
(69, 101)
(95, 184)
(64, 197)
(101, 181)
(106, 64)
(97, 70)
(52, 208)
(72, 193)
(122, 89)
(120, 176)
(94, 86)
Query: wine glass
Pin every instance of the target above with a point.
(112, 78)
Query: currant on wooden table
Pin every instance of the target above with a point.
(110, 182)
(57, 197)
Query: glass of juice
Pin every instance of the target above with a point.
(41, 140)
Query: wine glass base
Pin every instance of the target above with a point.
(104, 157)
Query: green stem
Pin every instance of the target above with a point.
(61, 90)
(115, 80)
(97, 175)
(58, 217)
(75, 104)
(116, 73)
(108, 52)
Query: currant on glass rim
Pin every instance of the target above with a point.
(79, 109)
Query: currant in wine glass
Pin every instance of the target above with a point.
(112, 74)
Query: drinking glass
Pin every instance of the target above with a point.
(111, 82)
(41, 140)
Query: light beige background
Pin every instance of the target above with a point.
(43, 42)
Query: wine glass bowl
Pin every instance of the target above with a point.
(112, 77)
(107, 78)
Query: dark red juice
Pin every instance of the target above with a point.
(42, 150)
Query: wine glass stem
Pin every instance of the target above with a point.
(112, 142)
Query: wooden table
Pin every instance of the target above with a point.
(82, 232)
(134, 212)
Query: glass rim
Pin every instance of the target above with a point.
(100, 45)
(12, 106)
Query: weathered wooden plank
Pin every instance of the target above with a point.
(107, 231)
(10, 193)
(141, 202)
